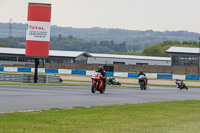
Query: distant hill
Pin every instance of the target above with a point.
(132, 37)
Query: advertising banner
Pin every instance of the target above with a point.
(38, 30)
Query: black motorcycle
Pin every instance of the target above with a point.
(142, 82)
(181, 85)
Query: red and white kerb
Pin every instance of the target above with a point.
(38, 30)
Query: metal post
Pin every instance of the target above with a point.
(43, 62)
(17, 61)
(36, 70)
(198, 56)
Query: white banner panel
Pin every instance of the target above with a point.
(33, 70)
(182, 77)
(41, 70)
(151, 75)
(89, 73)
(64, 71)
(38, 31)
(10, 69)
(120, 74)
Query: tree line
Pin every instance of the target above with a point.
(71, 43)
(160, 48)
(135, 40)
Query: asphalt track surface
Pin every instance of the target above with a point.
(27, 98)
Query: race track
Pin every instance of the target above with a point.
(26, 98)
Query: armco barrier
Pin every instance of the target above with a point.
(24, 69)
(64, 71)
(182, 77)
(191, 77)
(134, 75)
(41, 70)
(111, 74)
(1, 68)
(51, 70)
(164, 76)
(79, 72)
(89, 73)
(10, 69)
(52, 78)
(151, 75)
(27, 78)
(120, 74)
(11, 77)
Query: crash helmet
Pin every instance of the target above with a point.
(141, 71)
(100, 69)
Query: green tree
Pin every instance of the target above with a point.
(3, 44)
(154, 50)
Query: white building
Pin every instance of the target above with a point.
(128, 59)
(17, 56)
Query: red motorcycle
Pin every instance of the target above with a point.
(97, 83)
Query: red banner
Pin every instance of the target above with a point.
(38, 30)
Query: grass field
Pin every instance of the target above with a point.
(165, 117)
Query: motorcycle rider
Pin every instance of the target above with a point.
(111, 80)
(103, 73)
(142, 73)
(178, 83)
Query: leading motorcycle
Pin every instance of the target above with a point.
(142, 81)
(97, 83)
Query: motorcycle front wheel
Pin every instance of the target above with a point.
(141, 85)
(93, 88)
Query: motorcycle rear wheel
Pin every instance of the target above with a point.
(186, 87)
(145, 88)
(103, 90)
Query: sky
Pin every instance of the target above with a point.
(157, 15)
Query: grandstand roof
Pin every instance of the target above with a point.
(74, 54)
(19, 51)
(183, 50)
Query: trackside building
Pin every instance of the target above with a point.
(184, 56)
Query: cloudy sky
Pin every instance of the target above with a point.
(158, 15)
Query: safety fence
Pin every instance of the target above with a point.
(110, 74)
(27, 78)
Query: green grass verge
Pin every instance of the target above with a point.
(165, 117)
